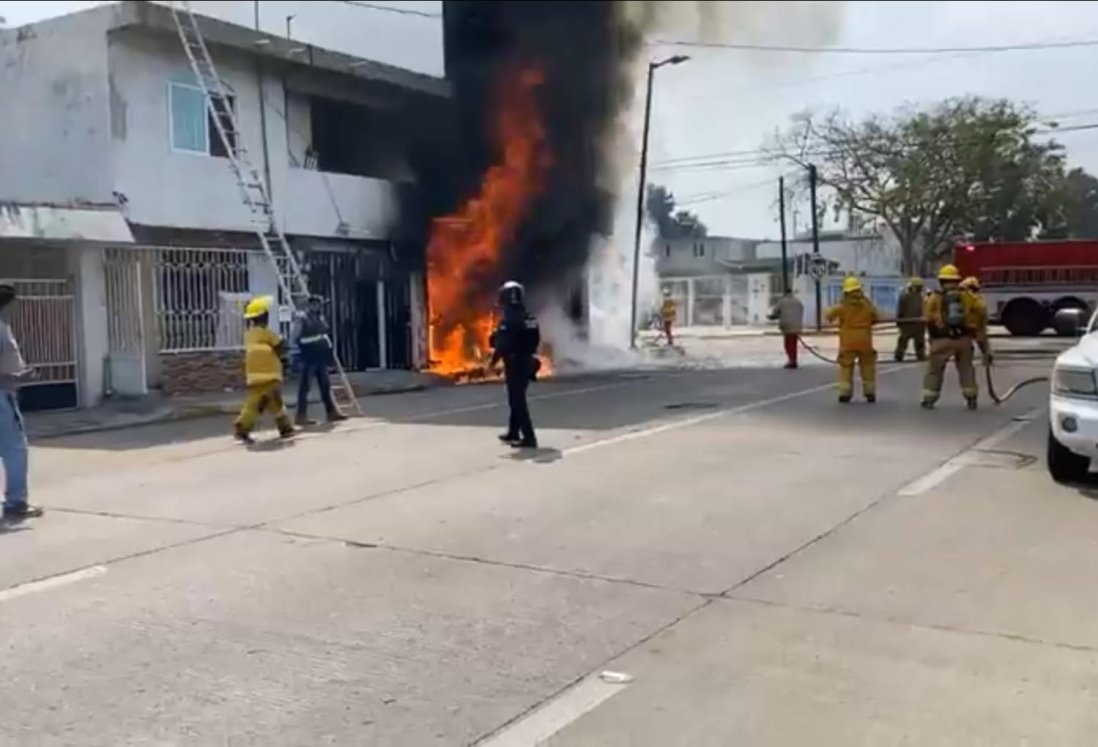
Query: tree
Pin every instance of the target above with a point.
(964, 167)
(1076, 204)
(671, 223)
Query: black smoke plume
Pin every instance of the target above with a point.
(584, 49)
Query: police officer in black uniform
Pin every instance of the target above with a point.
(515, 341)
(314, 344)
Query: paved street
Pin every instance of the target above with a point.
(760, 565)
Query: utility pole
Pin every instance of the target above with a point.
(642, 189)
(781, 219)
(815, 242)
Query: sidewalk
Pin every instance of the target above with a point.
(156, 408)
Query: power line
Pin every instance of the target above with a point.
(711, 196)
(390, 9)
(758, 157)
(877, 50)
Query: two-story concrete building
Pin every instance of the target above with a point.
(122, 222)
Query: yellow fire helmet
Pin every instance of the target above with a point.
(971, 283)
(851, 284)
(257, 307)
(949, 272)
(916, 282)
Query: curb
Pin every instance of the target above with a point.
(185, 412)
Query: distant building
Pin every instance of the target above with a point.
(726, 281)
(861, 254)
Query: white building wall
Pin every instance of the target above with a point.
(182, 189)
(56, 118)
(870, 255)
(86, 267)
(165, 187)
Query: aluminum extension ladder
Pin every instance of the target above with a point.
(291, 279)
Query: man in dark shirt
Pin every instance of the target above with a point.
(312, 339)
(515, 341)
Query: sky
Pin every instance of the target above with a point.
(724, 100)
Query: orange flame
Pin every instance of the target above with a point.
(464, 251)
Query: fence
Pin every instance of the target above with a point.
(198, 294)
(44, 323)
(721, 300)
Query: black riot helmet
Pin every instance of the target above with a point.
(511, 294)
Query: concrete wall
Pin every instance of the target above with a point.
(165, 187)
(316, 202)
(170, 188)
(85, 264)
(55, 132)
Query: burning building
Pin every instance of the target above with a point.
(539, 87)
(522, 181)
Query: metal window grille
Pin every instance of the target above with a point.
(122, 271)
(199, 295)
(43, 321)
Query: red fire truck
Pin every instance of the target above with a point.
(1025, 283)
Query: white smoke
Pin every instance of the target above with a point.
(610, 265)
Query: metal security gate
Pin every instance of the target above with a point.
(126, 369)
(44, 323)
(348, 283)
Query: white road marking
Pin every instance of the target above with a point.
(549, 718)
(52, 582)
(414, 417)
(937, 476)
(687, 422)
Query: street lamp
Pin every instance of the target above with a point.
(641, 189)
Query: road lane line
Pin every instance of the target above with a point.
(52, 582)
(939, 475)
(687, 422)
(548, 719)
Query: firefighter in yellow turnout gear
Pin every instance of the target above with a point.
(263, 350)
(972, 287)
(855, 315)
(955, 318)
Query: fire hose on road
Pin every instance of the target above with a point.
(992, 392)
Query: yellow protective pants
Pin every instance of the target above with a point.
(261, 398)
(867, 366)
(942, 349)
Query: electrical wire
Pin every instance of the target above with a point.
(783, 48)
(389, 9)
(746, 159)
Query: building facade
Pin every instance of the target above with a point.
(729, 282)
(116, 187)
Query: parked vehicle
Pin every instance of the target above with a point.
(1025, 283)
(1073, 403)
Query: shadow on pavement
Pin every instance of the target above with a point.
(543, 455)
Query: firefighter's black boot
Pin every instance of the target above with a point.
(871, 398)
(844, 399)
(971, 403)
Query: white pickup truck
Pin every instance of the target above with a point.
(1073, 408)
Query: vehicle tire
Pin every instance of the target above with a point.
(1064, 465)
(1024, 317)
(1069, 303)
